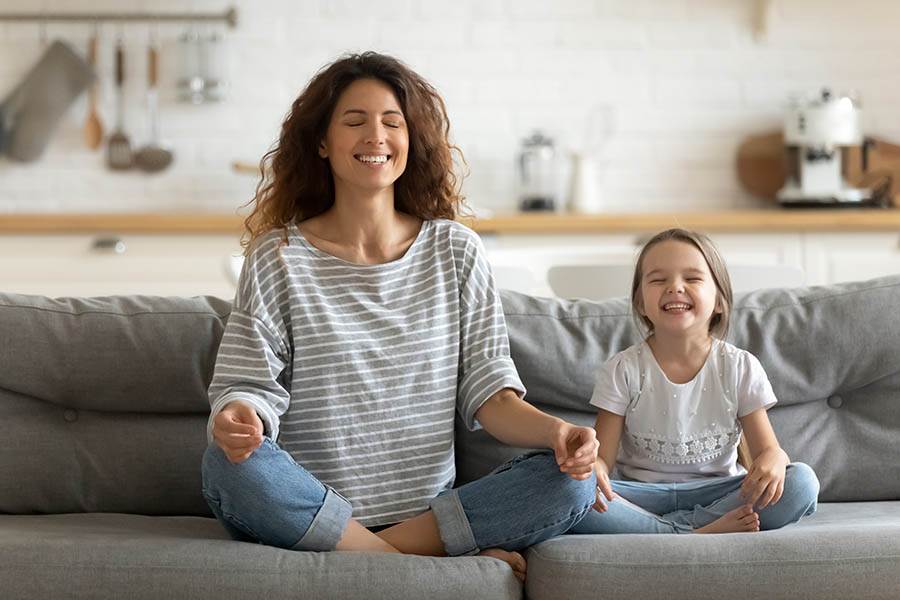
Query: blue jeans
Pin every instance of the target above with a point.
(683, 507)
(272, 500)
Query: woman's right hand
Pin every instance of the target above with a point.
(238, 431)
(604, 488)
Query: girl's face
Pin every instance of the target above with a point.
(678, 293)
(367, 140)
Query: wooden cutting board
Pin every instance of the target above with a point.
(762, 167)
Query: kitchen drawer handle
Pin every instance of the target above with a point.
(110, 245)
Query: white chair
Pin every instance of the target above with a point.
(598, 282)
(520, 279)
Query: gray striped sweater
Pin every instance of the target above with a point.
(357, 370)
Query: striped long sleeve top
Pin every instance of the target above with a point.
(358, 370)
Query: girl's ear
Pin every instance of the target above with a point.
(719, 308)
(322, 151)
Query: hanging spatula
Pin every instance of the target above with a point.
(118, 147)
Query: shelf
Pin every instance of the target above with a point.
(746, 221)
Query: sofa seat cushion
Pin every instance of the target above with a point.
(845, 550)
(98, 555)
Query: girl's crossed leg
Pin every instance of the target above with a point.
(701, 506)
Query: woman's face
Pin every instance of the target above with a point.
(367, 141)
(678, 293)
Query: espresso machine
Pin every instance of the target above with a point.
(826, 152)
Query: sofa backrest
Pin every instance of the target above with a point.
(104, 399)
(832, 354)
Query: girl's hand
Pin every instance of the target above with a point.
(604, 488)
(575, 449)
(764, 483)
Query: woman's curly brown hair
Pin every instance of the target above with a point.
(297, 183)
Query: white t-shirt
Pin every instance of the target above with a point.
(681, 431)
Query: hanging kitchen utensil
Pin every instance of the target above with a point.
(93, 126)
(31, 112)
(200, 77)
(118, 146)
(153, 157)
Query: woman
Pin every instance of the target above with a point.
(365, 317)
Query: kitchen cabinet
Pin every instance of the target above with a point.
(833, 257)
(584, 256)
(601, 266)
(112, 264)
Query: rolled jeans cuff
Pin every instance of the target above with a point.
(328, 525)
(456, 533)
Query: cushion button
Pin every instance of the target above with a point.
(70, 415)
(835, 402)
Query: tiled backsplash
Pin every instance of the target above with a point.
(684, 81)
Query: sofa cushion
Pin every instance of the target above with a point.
(108, 401)
(120, 353)
(126, 556)
(845, 550)
(832, 354)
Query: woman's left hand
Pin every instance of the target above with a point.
(764, 482)
(576, 449)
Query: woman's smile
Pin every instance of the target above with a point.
(373, 161)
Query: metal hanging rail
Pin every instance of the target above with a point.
(229, 17)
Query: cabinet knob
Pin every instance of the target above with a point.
(109, 245)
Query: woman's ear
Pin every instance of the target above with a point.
(323, 152)
(719, 309)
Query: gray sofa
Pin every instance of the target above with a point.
(103, 407)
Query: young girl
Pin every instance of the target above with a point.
(672, 409)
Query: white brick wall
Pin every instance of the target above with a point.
(685, 79)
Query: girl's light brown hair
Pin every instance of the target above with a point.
(718, 325)
(296, 182)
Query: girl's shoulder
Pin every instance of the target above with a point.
(626, 359)
(742, 364)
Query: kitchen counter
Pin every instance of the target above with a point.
(737, 221)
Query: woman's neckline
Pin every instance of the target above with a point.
(410, 251)
(709, 354)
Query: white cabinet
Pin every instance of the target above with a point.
(601, 266)
(834, 257)
(578, 265)
(109, 264)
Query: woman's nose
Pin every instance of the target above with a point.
(375, 134)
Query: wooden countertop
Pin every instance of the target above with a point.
(737, 221)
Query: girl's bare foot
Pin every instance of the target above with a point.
(735, 521)
(513, 559)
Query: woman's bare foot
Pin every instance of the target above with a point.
(513, 559)
(735, 521)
